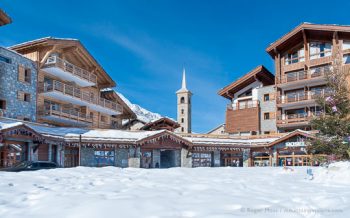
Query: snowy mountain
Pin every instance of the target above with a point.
(141, 113)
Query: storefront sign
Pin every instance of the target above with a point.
(295, 144)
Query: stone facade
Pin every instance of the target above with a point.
(10, 86)
(186, 158)
(267, 125)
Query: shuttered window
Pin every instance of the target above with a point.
(21, 73)
(22, 96)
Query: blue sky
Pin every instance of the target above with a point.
(143, 45)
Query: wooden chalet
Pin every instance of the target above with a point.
(163, 123)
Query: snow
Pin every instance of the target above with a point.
(175, 192)
(225, 141)
(336, 173)
(7, 125)
(142, 114)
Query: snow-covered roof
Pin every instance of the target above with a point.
(229, 141)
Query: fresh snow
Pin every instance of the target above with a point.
(176, 192)
(142, 114)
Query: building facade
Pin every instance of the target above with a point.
(70, 81)
(302, 59)
(18, 86)
(251, 110)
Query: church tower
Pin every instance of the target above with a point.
(184, 113)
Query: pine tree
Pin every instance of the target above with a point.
(333, 125)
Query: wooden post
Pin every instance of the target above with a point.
(79, 158)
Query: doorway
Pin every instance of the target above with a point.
(167, 159)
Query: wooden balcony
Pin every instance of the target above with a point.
(304, 76)
(243, 105)
(300, 98)
(65, 116)
(74, 95)
(293, 120)
(69, 72)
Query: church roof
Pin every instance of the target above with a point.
(184, 85)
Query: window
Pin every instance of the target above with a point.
(5, 59)
(294, 56)
(26, 119)
(104, 157)
(346, 59)
(103, 119)
(182, 129)
(91, 115)
(320, 49)
(182, 100)
(267, 97)
(182, 120)
(27, 75)
(266, 116)
(346, 45)
(267, 132)
(2, 104)
(246, 93)
(26, 97)
(182, 111)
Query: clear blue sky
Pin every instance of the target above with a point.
(143, 45)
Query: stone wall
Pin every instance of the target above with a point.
(267, 107)
(155, 157)
(121, 157)
(87, 157)
(186, 158)
(10, 85)
(216, 159)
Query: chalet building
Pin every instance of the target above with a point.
(302, 57)
(4, 18)
(163, 123)
(70, 81)
(251, 110)
(18, 86)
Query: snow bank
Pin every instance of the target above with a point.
(177, 192)
(336, 173)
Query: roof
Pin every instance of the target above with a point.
(202, 141)
(164, 120)
(65, 42)
(4, 18)
(306, 134)
(307, 28)
(259, 73)
(127, 111)
(216, 128)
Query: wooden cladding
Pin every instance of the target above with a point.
(245, 120)
(22, 96)
(24, 74)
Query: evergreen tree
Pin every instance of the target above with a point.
(333, 125)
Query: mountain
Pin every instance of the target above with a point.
(141, 113)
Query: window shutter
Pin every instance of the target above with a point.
(21, 74)
(20, 95)
(272, 115)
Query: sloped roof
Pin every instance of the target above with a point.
(297, 33)
(65, 42)
(4, 18)
(258, 73)
(166, 120)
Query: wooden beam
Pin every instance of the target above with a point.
(46, 56)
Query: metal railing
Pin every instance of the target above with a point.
(75, 92)
(305, 74)
(243, 105)
(54, 61)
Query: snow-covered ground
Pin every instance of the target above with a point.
(177, 192)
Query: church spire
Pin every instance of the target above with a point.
(184, 85)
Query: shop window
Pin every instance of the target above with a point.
(267, 97)
(2, 104)
(346, 59)
(104, 157)
(266, 116)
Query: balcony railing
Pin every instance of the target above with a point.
(297, 118)
(305, 74)
(302, 96)
(57, 86)
(55, 61)
(243, 105)
(51, 110)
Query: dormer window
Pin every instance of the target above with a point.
(294, 56)
(320, 50)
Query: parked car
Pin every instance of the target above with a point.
(31, 166)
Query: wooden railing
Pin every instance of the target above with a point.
(301, 96)
(305, 74)
(296, 118)
(52, 110)
(243, 105)
(55, 61)
(77, 93)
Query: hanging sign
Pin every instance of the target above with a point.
(295, 144)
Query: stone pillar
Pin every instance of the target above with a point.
(186, 158)
(216, 159)
(177, 158)
(34, 154)
(60, 155)
(30, 151)
(121, 157)
(155, 157)
(247, 160)
(87, 157)
(134, 160)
